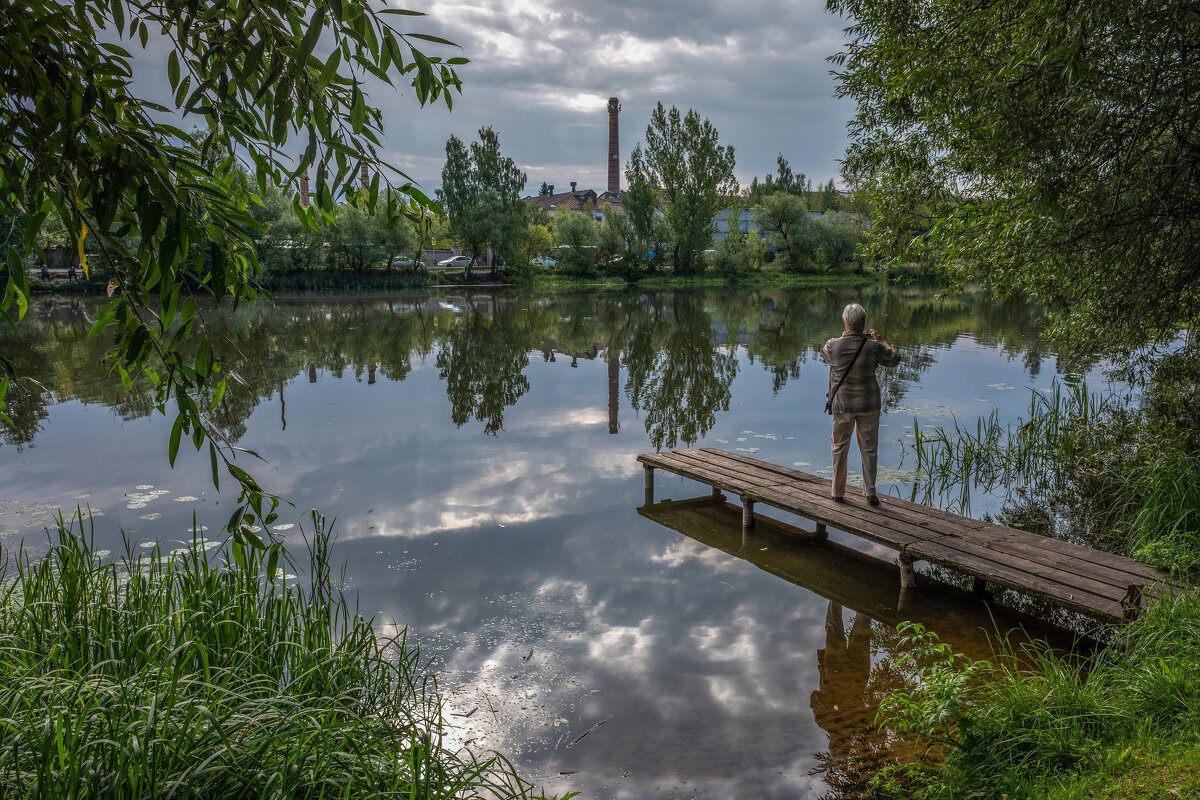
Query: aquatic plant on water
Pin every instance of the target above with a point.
(211, 672)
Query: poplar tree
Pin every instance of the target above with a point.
(692, 174)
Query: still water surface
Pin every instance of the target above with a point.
(477, 453)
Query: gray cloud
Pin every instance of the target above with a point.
(541, 72)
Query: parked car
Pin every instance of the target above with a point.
(457, 261)
(543, 261)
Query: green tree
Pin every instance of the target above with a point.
(538, 242)
(783, 218)
(359, 241)
(1054, 146)
(642, 210)
(784, 180)
(692, 174)
(81, 144)
(740, 250)
(481, 193)
(837, 238)
(575, 236)
(615, 236)
(828, 199)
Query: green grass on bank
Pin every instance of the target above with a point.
(209, 671)
(319, 280)
(1124, 724)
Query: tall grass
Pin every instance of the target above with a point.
(1082, 465)
(1020, 732)
(212, 673)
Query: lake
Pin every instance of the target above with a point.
(476, 452)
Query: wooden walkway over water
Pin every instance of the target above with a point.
(1079, 578)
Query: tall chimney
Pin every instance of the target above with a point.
(614, 152)
(363, 170)
(304, 189)
(572, 186)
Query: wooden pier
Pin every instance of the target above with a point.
(1072, 576)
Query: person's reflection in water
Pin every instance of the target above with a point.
(844, 706)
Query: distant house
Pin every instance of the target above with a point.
(747, 223)
(721, 223)
(577, 200)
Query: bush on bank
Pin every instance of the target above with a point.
(210, 672)
(1057, 729)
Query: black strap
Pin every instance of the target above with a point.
(833, 394)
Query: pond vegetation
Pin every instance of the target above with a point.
(211, 671)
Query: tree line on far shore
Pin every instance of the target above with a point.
(683, 214)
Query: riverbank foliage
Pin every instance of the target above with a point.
(208, 671)
(1129, 718)
(1115, 472)
(1050, 146)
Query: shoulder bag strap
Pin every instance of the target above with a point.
(833, 394)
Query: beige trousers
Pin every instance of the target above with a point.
(844, 424)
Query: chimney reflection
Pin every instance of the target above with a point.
(614, 390)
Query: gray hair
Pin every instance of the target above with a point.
(855, 316)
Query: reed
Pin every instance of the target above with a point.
(211, 672)
(1095, 466)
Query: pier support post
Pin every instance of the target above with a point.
(747, 513)
(718, 494)
(978, 586)
(821, 533)
(1132, 603)
(908, 575)
(649, 484)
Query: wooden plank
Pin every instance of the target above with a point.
(1032, 560)
(955, 553)
(695, 472)
(1070, 549)
(1003, 575)
(1072, 575)
(868, 530)
(752, 476)
(990, 542)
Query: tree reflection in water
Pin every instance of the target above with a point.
(680, 351)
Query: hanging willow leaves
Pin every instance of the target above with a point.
(157, 198)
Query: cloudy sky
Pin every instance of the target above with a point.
(541, 73)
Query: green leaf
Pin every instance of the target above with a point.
(429, 38)
(212, 458)
(218, 394)
(172, 67)
(176, 433)
(309, 42)
(118, 14)
(272, 561)
(330, 70)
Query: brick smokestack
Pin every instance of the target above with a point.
(614, 152)
(365, 180)
(304, 189)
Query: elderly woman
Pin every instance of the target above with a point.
(852, 359)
